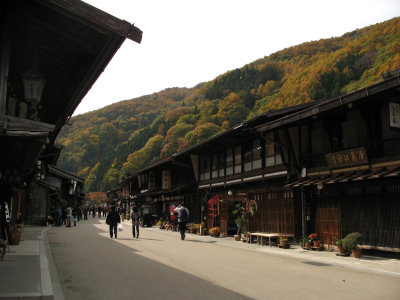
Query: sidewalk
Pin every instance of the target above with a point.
(29, 271)
(381, 265)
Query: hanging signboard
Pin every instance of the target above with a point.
(394, 114)
(347, 158)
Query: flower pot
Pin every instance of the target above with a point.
(284, 245)
(341, 250)
(307, 245)
(15, 237)
(356, 253)
(237, 237)
(317, 244)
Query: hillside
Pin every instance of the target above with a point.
(104, 146)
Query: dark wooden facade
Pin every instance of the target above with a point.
(346, 158)
(243, 165)
(56, 49)
(160, 185)
(330, 167)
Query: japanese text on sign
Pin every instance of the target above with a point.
(352, 157)
(394, 111)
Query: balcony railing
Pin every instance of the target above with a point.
(386, 147)
(377, 149)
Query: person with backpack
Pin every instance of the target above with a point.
(135, 216)
(183, 218)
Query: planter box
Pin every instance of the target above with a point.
(15, 237)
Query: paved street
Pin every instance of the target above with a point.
(159, 265)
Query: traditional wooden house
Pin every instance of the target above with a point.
(242, 165)
(65, 185)
(157, 187)
(345, 154)
(51, 53)
(113, 196)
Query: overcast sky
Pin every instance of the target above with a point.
(186, 42)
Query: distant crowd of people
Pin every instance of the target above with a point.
(71, 215)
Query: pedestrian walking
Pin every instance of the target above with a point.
(64, 215)
(75, 215)
(112, 220)
(135, 216)
(99, 209)
(69, 216)
(79, 211)
(58, 216)
(183, 218)
(94, 211)
(85, 212)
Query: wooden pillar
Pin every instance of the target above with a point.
(4, 59)
(303, 212)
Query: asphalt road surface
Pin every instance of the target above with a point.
(159, 265)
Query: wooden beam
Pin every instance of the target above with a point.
(4, 59)
(85, 12)
(9, 124)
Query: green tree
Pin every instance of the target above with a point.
(202, 132)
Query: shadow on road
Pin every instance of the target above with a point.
(132, 239)
(197, 241)
(123, 273)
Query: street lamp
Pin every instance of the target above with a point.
(34, 83)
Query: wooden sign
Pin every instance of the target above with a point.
(347, 158)
(394, 111)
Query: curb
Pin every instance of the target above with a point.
(50, 282)
(47, 277)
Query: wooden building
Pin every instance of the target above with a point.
(241, 165)
(157, 187)
(345, 153)
(330, 167)
(51, 53)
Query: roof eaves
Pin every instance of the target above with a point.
(87, 12)
(326, 105)
(65, 174)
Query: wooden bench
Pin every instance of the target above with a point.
(261, 235)
(388, 249)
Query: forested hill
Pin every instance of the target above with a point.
(104, 146)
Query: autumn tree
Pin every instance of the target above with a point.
(202, 132)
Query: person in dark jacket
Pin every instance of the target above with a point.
(183, 218)
(112, 220)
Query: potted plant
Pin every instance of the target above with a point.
(283, 241)
(305, 242)
(339, 244)
(315, 239)
(246, 237)
(204, 231)
(200, 228)
(351, 242)
(242, 217)
(215, 231)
